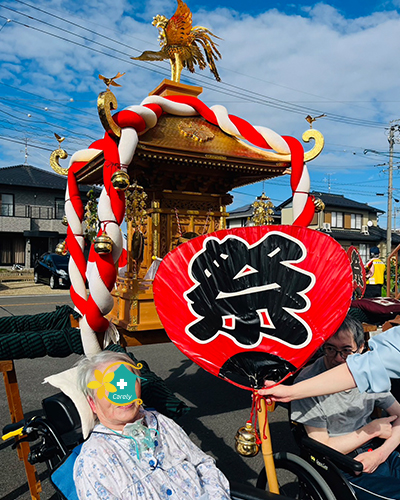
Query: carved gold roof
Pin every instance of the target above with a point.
(197, 136)
(190, 146)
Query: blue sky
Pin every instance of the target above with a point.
(280, 62)
(350, 9)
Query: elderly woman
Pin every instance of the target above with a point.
(133, 453)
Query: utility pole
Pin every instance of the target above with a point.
(328, 180)
(26, 151)
(393, 137)
(390, 193)
(394, 128)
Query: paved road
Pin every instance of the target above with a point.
(218, 409)
(31, 304)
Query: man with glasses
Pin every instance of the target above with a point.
(343, 420)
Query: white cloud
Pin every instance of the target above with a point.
(319, 60)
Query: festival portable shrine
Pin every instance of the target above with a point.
(244, 304)
(179, 168)
(167, 166)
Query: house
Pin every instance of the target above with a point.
(31, 213)
(349, 222)
(241, 217)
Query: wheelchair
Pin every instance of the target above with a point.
(314, 475)
(56, 439)
(317, 474)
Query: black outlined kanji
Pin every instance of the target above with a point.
(248, 292)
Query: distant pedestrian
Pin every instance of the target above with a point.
(375, 270)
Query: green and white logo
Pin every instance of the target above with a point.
(122, 390)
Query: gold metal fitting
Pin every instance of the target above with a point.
(103, 244)
(319, 142)
(120, 180)
(64, 221)
(56, 155)
(263, 211)
(319, 205)
(61, 248)
(246, 441)
(107, 102)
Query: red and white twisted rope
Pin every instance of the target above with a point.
(133, 121)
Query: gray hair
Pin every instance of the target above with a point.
(355, 328)
(87, 367)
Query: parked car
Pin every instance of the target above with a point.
(52, 269)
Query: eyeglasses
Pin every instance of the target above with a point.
(332, 352)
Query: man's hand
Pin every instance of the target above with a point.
(371, 460)
(388, 429)
(382, 427)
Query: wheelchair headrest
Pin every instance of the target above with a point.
(61, 412)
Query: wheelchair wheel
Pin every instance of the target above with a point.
(297, 479)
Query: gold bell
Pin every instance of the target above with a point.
(103, 244)
(319, 205)
(61, 248)
(120, 180)
(246, 441)
(64, 221)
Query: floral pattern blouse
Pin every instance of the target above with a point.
(109, 466)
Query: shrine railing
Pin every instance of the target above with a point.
(392, 274)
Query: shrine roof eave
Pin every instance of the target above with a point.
(242, 170)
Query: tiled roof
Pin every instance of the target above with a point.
(33, 177)
(246, 211)
(339, 201)
(26, 175)
(376, 235)
(381, 233)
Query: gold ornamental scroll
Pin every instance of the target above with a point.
(54, 161)
(107, 102)
(318, 145)
(56, 155)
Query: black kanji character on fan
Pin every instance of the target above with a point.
(249, 292)
(356, 267)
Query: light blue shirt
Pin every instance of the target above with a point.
(373, 370)
(108, 467)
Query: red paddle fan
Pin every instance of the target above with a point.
(253, 303)
(358, 270)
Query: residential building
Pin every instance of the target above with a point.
(349, 222)
(31, 213)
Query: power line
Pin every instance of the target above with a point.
(236, 91)
(229, 85)
(47, 99)
(5, 24)
(85, 28)
(249, 96)
(77, 43)
(46, 122)
(90, 115)
(316, 184)
(63, 19)
(9, 139)
(251, 195)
